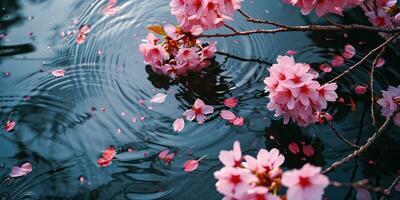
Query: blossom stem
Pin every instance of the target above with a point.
(359, 151)
(388, 190)
(198, 160)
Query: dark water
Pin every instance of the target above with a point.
(62, 131)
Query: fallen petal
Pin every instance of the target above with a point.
(227, 115)
(230, 102)
(190, 165)
(179, 124)
(58, 73)
(10, 125)
(158, 98)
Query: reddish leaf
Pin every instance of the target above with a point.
(156, 29)
(179, 124)
(10, 125)
(227, 115)
(308, 150)
(230, 102)
(294, 148)
(58, 73)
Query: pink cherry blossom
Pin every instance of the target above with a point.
(323, 7)
(306, 183)
(390, 101)
(197, 15)
(234, 182)
(198, 112)
(232, 158)
(260, 193)
(294, 93)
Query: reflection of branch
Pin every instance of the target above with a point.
(388, 190)
(387, 42)
(341, 137)
(242, 59)
(359, 184)
(361, 150)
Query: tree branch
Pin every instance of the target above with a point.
(361, 150)
(341, 137)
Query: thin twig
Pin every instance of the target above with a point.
(373, 119)
(361, 150)
(254, 20)
(387, 42)
(230, 28)
(388, 190)
(341, 137)
(305, 28)
(242, 59)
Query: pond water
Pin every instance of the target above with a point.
(63, 124)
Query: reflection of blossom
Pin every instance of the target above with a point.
(294, 93)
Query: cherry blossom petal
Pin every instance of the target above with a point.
(380, 62)
(207, 109)
(294, 148)
(80, 39)
(325, 67)
(10, 125)
(227, 115)
(199, 103)
(84, 29)
(107, 157)
(178, 124)
(337, 61)
(291, 52)
(308, 150)
(239, 121)
(159, 98)
(190, 115)
(230, 102)
(21, 171)
(163, 153)
(190, 165)
(58, 73)
(360, 89)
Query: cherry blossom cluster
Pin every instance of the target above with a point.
(295, 94)
(382, 13)
(323, 7)
(178, 53)
(246, 177)
(195, 16)
(390, 103)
